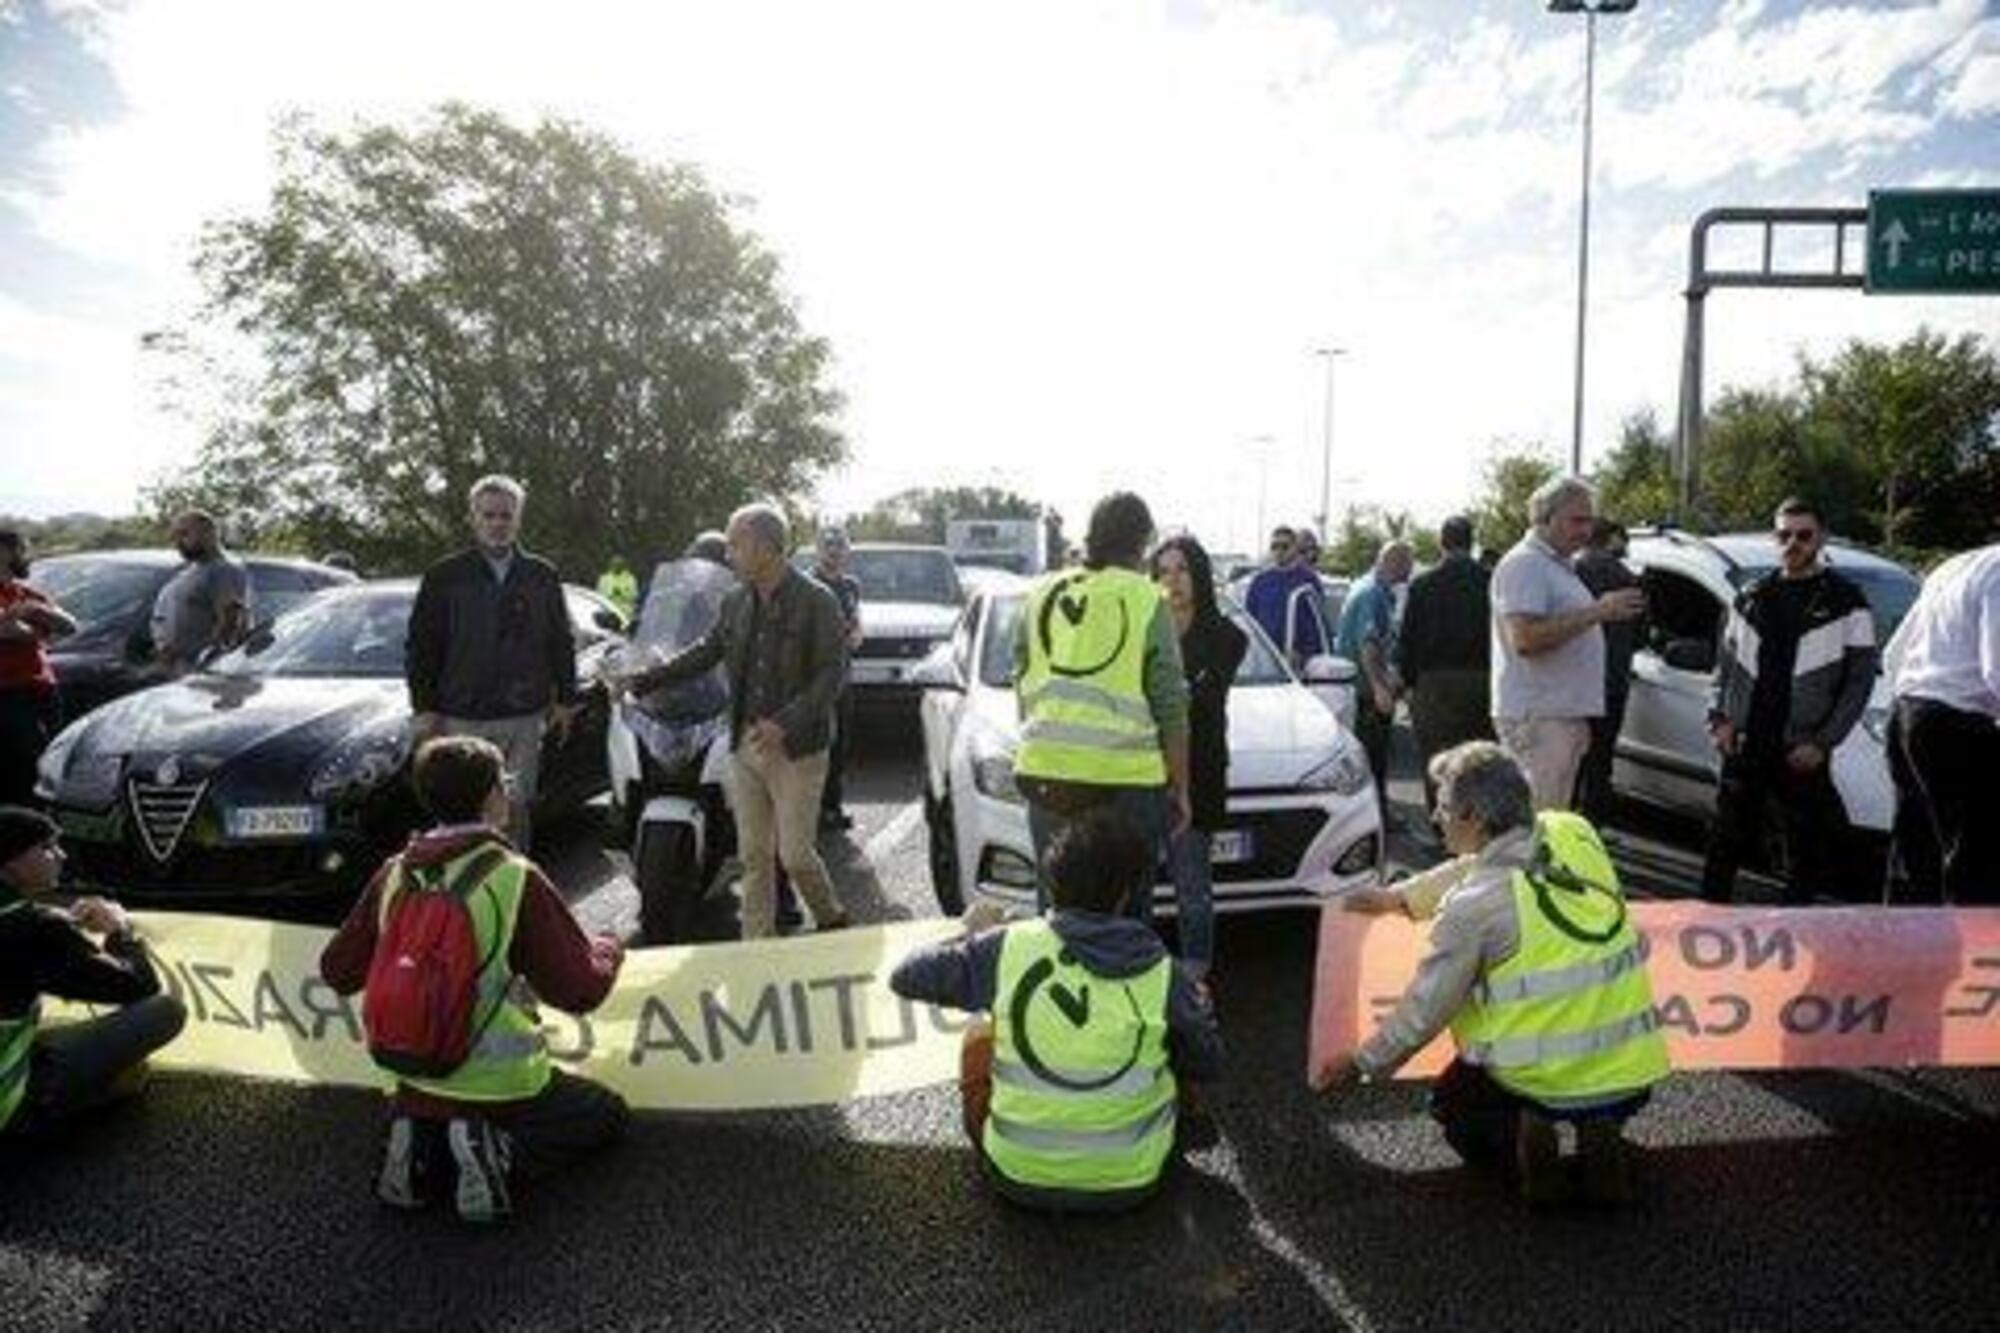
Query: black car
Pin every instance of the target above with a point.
(281, 769)
(111, 594)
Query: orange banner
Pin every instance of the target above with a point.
(1736, 987)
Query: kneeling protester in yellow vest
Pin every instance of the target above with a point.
(456, 939)
(1540, 976)
(1072, 1090)
(48, 1076)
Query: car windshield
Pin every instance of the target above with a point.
(996, 658)
(97, 589)
(904, 576)
(1890, 591)
(343, 632)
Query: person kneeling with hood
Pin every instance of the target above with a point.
(453, 941)
(1071, 1089)
(49, 1075)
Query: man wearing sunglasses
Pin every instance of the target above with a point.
(1797, 662)
(1292, 621)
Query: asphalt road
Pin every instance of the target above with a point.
(1826, 1200)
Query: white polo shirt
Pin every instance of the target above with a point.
(1947, 649)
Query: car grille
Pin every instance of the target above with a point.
(902, 648)
(163, 813)
(1279, 842)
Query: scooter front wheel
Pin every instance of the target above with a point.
(669, 878)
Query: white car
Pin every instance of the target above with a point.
(1303, 824)
(1664, 755)
(910, 598)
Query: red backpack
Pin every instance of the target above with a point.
(423, 982)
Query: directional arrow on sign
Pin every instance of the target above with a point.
(1895, 238)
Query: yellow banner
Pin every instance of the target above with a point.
(800, 1022)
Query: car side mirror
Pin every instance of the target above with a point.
(1327, 669)
(1696, 655)
(936, 671)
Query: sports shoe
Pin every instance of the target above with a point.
(1538, 1164)
(479, 1151)
(400, 1183)
(1601, 1150)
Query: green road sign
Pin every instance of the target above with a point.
(1934, 241)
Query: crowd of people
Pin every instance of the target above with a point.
(1122, 665)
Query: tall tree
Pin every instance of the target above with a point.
(920, 513)
(431, 303)
(1500, 512)
(1635, 483)
(1753, 455)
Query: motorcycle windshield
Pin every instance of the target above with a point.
(683, 603)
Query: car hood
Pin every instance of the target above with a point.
(205, 722)
(1277, 733)
(900, 620)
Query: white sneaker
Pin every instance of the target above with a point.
(397, 1183)
(480, 1153)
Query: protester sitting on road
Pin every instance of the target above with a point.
(1070, 1090)
(30, 714)
(488, 1098)
(206, 604)
(1540, 975)
(1212, 649)
(48, 1076)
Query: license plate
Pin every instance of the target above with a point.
(274, 821)
(1232, 846)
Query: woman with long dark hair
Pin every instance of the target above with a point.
(1211, 650)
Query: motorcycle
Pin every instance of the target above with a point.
(669, 751)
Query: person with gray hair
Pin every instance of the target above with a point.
(491, 653)
(1539, 974)
(783, 641)
(1548, 642)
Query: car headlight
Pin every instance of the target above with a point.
(1344, 773)
(993, 766)
(1876, 723)
(360, 763)
(92, 781)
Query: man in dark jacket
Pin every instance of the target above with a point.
(49, 1075)
(490, 651)
(783, 640)
(1601, 565)
(1441, 653)
(1797, 663)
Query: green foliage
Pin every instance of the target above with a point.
(1635, 483)
(432, 303)
(1364, 530)
(85, 532)
(1500, 512)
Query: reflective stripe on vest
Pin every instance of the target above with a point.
(1569, 1017)
(1084, 713)
(17, 1046)
(509, 1059)
(1083, 1098)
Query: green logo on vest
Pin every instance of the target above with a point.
(1074, 610)
(1075, 1006)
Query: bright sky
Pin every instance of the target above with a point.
(1057, 245)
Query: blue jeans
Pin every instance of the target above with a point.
(1144, 807)
(1194, 897)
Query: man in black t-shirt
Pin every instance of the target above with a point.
(1797, 663)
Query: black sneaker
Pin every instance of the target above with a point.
(1606, 1164)
(401, 1182)
(479, 1151)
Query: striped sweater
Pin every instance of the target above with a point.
(1834, 670)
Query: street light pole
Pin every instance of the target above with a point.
(1326, 446)
(1590, 9)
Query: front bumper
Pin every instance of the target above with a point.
(1303, 848)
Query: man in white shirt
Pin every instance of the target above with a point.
(1944, 666)
(1548, 642)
